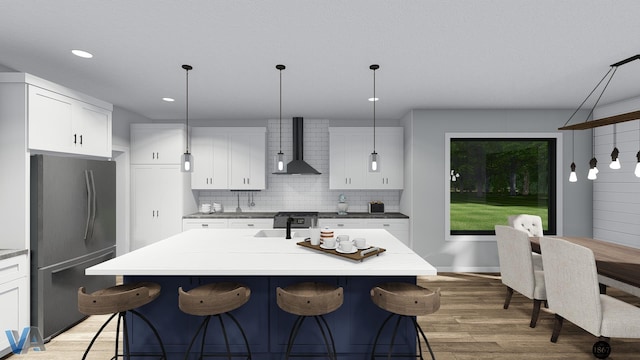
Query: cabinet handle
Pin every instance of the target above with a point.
(75, 138)
(248, 181)
(387, 225)
(205, 225)
(250, 225)
(346, 180)
(340, 225)
(80, 139)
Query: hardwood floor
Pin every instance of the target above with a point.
(470, 325)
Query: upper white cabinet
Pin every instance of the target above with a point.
(210, 150)
(229, 158)
(157, 143)
(247, 170)
(349, 155)
(63, 124)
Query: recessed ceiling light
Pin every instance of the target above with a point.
(168, 99)
(374, 99)
(82, 54)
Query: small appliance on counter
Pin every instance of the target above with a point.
(343, 206)
(376, 207)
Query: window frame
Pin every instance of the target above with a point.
(487, 235)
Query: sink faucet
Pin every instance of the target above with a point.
(289, 220)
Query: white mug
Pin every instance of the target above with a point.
(360, 243)
(330, 243)
(342, 238)
(346, 245)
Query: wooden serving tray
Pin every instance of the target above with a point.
(355, 256)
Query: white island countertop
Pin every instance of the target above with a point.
(237, 252)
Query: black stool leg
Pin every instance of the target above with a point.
(293, 334)
(224, 334)
(244, 336)
(375, 342)
(425, 338)
(204, 323)
(393, 337)
(155, 332)
(330, 347)
(98, 334)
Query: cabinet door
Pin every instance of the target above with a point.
(397, 227)
(390, 147)
(250, 223)
(188, 224)
(247, 160)
(348, 158)
(92, 130)
(14, 298)
(50, 121)
(210, 151)
(157, 143)
(156, 199)
(337, 224)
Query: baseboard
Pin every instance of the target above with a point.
(469, 269)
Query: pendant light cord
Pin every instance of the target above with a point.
(588, 96)
(187, 68)
(280, 110)
(374, 68)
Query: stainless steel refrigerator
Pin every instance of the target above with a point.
(73, 227)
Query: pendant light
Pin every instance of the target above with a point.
(374, 158)
(593, 163)
(615, 161)
(573, 177)
(187, 158)
(280, 160)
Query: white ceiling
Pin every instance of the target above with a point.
(432, 54)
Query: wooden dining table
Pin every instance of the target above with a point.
(618, 265)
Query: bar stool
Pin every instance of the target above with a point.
(215, 299)
(406, 301)
(310, 299)
(118, 300)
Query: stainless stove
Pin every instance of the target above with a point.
(300, 219)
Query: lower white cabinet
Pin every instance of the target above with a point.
(188, 224)
(250, 223)
(14, 298)
(397, 227)
(160, 196)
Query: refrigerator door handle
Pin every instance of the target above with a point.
(86, 229)
(93, 203)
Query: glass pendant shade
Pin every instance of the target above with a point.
(573, 177)
(280, 162)
(374, 162)
(187, 162)
(593, 170)
(637, 170)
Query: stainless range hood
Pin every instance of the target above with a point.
(298, 166)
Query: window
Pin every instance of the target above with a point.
(492, 177)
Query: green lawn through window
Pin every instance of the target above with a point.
(468, 211)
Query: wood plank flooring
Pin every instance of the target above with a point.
(470, 325)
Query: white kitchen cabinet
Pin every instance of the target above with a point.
(158, 144)
(349, 157)
(14, 298)
(247, 158)
(397, 227)
(188, 224)
(337, 224)
(59, 119)
(157, 199)
(243, 223)
(210, 150)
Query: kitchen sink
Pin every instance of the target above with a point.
(281, 233)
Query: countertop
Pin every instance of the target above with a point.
(236, 252)
(321, 215)
(9, 253)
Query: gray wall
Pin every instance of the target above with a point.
(424, 200)
(121, 119)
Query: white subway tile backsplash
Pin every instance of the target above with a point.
(300, 192)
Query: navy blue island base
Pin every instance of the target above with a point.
(354, 325)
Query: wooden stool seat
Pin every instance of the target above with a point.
(406, 299)
(213, 299)
(117, 299)
(309, 298)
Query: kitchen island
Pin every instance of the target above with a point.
(263, 260)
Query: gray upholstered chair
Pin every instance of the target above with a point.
(517, 270)
(571, 279)
(532, 224)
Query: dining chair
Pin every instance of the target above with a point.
(532, 224)
(571, 278)
(517, 270)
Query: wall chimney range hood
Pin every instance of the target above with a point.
(298, 166)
